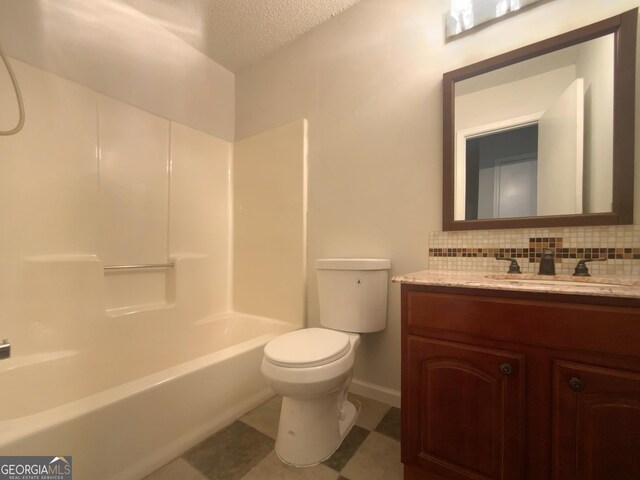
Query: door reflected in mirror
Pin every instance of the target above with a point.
(536, 138)
(501, 173)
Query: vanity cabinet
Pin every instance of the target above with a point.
(471, 404)
(596, 422)
(519, 385)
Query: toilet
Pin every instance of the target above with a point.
(312, 368)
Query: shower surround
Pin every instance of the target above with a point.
(125, 369)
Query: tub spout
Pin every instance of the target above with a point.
(5, 349)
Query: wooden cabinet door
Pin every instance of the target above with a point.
(465, 411)
(596, 423)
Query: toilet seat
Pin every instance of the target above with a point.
(309, 347)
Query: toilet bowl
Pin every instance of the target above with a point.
(314, 397)
(312, 368)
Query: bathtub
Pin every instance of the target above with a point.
(121, 419)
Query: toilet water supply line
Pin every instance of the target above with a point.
(16, 89)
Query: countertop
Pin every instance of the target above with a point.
(600, 285)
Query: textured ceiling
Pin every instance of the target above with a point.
(235, 33)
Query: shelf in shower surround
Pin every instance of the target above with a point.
(135, 309)
(63, 258)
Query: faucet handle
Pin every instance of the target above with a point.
(513, 266)
(581, 268)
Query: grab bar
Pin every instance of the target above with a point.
(141, 266)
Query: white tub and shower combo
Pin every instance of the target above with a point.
(133, 387)
(122, 419)
(125, 369)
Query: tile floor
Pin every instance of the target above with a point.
(244, 450)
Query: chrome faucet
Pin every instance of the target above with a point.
(5, 349)
(547, 266)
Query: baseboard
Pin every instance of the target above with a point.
(376, 392)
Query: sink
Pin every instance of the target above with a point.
(560, 280)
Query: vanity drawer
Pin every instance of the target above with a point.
(598, 328)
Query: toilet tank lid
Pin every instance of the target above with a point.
(353, 264)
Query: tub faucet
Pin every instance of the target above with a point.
(547, 267)
(5, 349)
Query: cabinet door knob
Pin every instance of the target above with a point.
(506, 369)
(576, 384)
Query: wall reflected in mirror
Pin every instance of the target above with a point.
(536, 138)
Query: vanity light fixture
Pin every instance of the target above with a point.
(461, 16)
(468, 14)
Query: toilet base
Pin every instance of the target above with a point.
(311, 430)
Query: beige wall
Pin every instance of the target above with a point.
(496, 104)
(369, 83)
(269, 223)
(114, 49)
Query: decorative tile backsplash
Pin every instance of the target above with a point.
(475, 250)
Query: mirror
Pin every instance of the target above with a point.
(543, 135)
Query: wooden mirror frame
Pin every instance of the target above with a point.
(623, 26)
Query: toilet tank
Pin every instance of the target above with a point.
(353, 293)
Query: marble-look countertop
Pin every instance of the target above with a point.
(600, 285)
